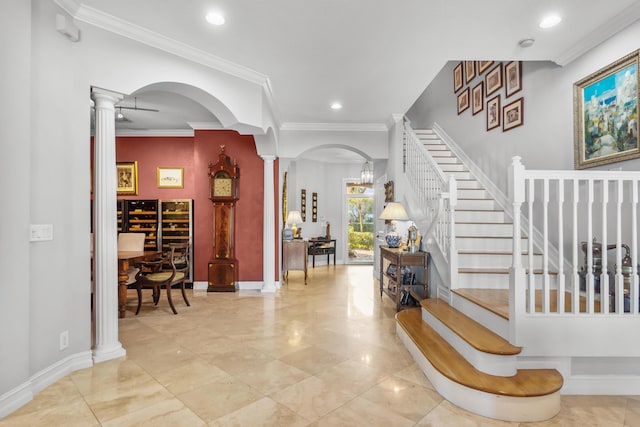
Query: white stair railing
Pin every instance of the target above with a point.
(586, 213)
(436, 195)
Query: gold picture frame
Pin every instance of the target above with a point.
(605, 107)
(170, 177)
(127, 178)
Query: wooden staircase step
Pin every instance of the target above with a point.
(493, 300)
(472, 332)
(448, 362)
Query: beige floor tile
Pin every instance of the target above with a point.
(119, 373)
(589, 411)
(181, 378)
(264, 412)
(272, 376)
(114, 401)
(414, 374)
(403, 397)
(448, 415)
(71, 414)
(170, 413)
(313, 398)
(352, 376)
(313, 360)
(360, 412)
(219, 398)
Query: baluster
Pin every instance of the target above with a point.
(633, 292)
(604, 277)
(528, 271)
(575, 292)
(590, 286)
(634, 282)
(561, 278)
(619, 283)
(545, 251)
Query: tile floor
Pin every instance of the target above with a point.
(325, 354)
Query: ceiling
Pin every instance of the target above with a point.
(374, 56)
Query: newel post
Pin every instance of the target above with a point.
(517, 300)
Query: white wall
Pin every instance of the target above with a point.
(545, 141)
(15, 168)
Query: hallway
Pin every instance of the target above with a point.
(325, 354)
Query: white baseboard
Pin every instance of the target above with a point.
(621, 385)
(243, 286)
(22, 394)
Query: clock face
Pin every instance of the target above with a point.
(222, 187)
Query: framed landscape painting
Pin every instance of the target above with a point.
(493, 80)
(513, 115)
(606, 114)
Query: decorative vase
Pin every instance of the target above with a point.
(393, 239)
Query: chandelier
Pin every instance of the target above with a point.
(366, 174)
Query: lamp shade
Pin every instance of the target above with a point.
(294, 217)
(394, 211)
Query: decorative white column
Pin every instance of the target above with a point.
(268, 238)
(105, 228)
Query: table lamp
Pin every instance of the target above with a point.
(292, 219)
(393, 212)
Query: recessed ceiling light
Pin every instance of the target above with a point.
(550, 21)
(215, 18)
(336, 106)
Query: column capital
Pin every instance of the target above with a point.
(268, 157)
(98, 94)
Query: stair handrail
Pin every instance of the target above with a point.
(436, 194)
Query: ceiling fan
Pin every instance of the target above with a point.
(120, 117)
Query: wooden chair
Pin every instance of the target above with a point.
(169, 270)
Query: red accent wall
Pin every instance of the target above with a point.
(194, 154)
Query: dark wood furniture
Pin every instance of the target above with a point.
(125, 260)
(403, 274)
(176, 225)
(223, 183)
(322, 247)
(169, 270)
(294, 257)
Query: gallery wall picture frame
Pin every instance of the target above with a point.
(513, 115)
(457, 78)
(314, 207)
(512, 78)
(463, 101)
(483, 66)
(477, 98)
(493, 80)
(493, 113)
(469, 71)
(611, 92)
(303, 204)
(170, 177)
(127, 178)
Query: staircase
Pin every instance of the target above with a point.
(461, 344)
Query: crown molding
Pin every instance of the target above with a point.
(155, 132)
(334, 127)
(134, 32)
(616, 24)
(206, 125)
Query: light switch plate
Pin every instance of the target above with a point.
(41, 232)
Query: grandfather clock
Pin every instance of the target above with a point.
(223, 185)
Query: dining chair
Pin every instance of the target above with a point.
(169, 270)
(133, 242)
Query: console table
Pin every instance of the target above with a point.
(403, 274)
(294, 257)
(322, 247)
